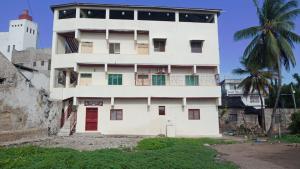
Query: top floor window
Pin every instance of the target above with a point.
(92, 13)
(156, 16)
(192, 17)
(121, 14)
(196, 46)
(254, 99)
(67, 13)
(159, 45)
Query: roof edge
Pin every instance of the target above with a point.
(217, 11)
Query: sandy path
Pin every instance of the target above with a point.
(262, 156)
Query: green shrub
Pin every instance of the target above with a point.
(295, 125)
(155, 143)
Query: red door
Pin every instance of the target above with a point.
(91, 119)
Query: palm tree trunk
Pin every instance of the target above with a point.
(279, 86)
(262, 111)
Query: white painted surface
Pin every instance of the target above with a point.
(140, 103)
(138, 120)
(18, 36)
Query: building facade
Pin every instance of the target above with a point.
(38, 59)
(231, 91)
(136, 70)
(22, 34)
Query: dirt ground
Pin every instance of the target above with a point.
(262, 155)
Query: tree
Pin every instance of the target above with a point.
(256, 80)
(286, 94)
(272, 40)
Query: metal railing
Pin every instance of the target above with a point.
(177, 80)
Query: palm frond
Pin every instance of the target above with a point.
(247, 33)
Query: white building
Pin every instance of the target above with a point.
(22, 34)
(231, 91)
(136, 70)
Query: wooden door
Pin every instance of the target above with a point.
(91, 119)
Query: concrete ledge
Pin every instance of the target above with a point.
(14, 135)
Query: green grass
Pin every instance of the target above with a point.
(156, 153)
(289, 138)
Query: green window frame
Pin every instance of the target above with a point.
(192, 80)
(158, 80)
(115, 79)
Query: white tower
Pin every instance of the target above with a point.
(22, 34)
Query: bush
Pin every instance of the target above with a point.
(155, 143)
(295, 125)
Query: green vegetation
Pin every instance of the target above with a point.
(289, 138)
(257, 80)
(286, 99)
(272, 41)
(150, 153)
(295, 125)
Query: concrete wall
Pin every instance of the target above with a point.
(29, 56)
(23, 105)
(139, 120)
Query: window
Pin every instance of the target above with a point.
(114, 79)
(159, 45)
(156, 16)
(114, 48)
(86, 47)
(194, 114)
(67, 13)
(34, 63)
(85, 79)
(232, 117)
(8, 48)
(42, 63)
(30, 30)
(192, 17)
(254, 99)
(142, 80)
(14, 47)
(158, 80)
(161, 110)
(120, 14)
(192, 80)
(91, 13)
(2, 80)
(233, 86)
(33, 31)
(143, 48)
(49, 64)
(27, 29)
(116, 114)
(196, 46)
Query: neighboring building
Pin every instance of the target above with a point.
(238, 106)
(25, 109)
(38, 59)
(136, 70)
(233, 96)
(22, 34)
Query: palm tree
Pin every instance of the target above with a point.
(272, 40)
(256, 80)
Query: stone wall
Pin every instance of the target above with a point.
(22, 105)
(7, 136)
(231, 118)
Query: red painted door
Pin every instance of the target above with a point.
(91, 119)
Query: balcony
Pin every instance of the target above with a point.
(137, 92)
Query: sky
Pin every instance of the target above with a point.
(236, 15)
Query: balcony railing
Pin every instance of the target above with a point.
(176, 80)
